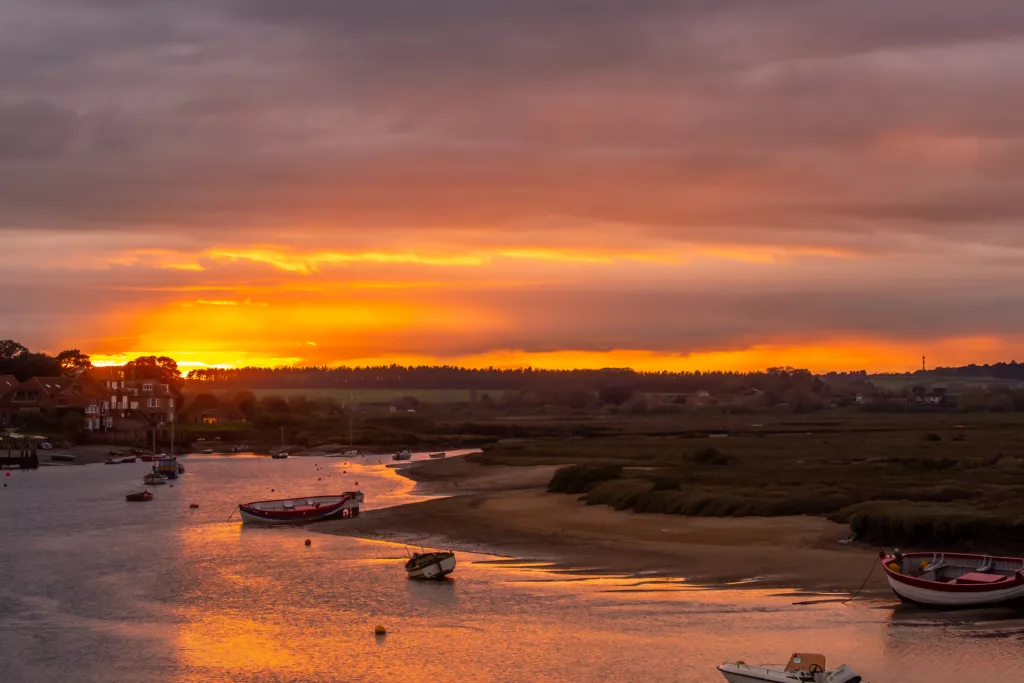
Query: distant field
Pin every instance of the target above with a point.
(371, 395)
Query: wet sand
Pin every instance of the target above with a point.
(505, 511)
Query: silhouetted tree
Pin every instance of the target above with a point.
(73, 362)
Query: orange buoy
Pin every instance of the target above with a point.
(194, 505)
(318, 478)
(309, 542)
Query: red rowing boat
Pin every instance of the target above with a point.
(954, 579)
(301, 510)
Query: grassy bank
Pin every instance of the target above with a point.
(910, 484)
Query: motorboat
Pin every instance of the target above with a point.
(141, 497)
(402, 455)
(434, 565)
(301, 510)
(169, 467)
(62, 457)
(334, 455)
(115, 460)
(154, 479)
(278, 456)
(954, 579)
(352, 452)
(128, 459)
(207, 451)
(147, 458)
(116, 454)
(437, 456)
(802, 668)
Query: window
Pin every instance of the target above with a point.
(153, 403)
(110, 422)
(170, 402)
(147, 387)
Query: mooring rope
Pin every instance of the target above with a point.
(874, 561)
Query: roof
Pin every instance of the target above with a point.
(51, 385)
(7, 382)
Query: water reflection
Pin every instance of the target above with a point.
(112, 592)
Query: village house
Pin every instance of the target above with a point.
(8, 383)
(35, 395)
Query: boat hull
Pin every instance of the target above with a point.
(433, 570)
(950, 595)
(294, 511)
(742, 673)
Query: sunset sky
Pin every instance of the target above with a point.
(687, 184)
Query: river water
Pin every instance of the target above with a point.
(96, 589)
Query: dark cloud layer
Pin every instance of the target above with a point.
(890, 130)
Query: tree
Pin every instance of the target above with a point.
(205, 402)
(24, 366)
(245, 401)
(73, 362)
(10, 349)
(159, 368)
(615, 395)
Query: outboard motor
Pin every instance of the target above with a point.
(843, 674)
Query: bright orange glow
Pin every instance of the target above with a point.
(872, 354)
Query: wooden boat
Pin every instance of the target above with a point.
(142, 497)
(154, 479)
(402, 455)
(62, 457)
(435, 565)
(954, 579)
(801, 667)
(301, 510)
(436, 456)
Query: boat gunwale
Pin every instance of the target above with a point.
(1014, 580)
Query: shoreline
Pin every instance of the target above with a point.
(505, 511)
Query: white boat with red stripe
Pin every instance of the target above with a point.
(302, 510)
(954, 579)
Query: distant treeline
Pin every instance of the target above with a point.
(516, 379)
(1009, 371)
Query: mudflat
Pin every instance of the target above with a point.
(509, 514)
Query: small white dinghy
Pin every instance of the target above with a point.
(802, 668)
(435, 565)
(154, 479)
